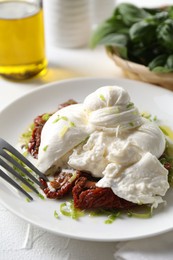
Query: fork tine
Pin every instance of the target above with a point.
(14, 184)
(19, 166)
(16, 153)
(17, 175)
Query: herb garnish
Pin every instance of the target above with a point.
(102, 97)
(45, 148)
(56, 214)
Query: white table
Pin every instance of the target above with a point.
(18, 239)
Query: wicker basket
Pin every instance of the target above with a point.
(140, 72)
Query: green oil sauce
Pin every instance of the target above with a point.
(167, 131)
(67, 209)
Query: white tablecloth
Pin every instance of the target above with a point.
(20, 240)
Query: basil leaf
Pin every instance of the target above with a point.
(157, 18)
(117, 42)
(165, 34)
(162, 63)
(169, 62)
(159, 61)
(170, 11)
(108, 27)
(142, 32)
(160, 69)
(114, 39)
(130, 13)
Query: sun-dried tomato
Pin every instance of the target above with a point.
(61, 185)
(87, 196)
(39, 122)
(34, 142)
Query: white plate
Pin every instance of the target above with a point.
(17, 116)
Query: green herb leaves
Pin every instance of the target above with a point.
(141, 35)
(129, 13)
(165, 35)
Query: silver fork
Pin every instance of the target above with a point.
(12, 165)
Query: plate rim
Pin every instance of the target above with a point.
(51, 84)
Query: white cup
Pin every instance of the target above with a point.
(67, 22)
